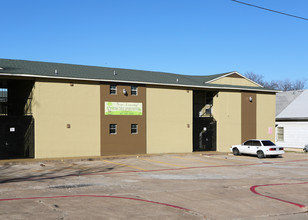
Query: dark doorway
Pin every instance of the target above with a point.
(17, 137)
(204, 127)
(16, 120)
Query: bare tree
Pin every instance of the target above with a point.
(284, 85)
(255, 77)
(299, 84)
(272, 85)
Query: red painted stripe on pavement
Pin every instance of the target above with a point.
(97, 196)
(187, 168)
(158, 170)
(253, 189)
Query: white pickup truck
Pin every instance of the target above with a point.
(261, 148)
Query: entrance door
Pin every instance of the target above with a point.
(204, 133)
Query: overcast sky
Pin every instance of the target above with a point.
(195, 37)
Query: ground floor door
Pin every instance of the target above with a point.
(204, 134)
(16, 137)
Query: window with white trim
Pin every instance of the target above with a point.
(134, 128)
(112, 129)
(134, 90)
(113, 89)
(3, 101)
(280, 134)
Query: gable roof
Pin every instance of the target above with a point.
(293, 105)
(234, 74)
(34, 69)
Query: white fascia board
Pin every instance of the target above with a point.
(295, 119)
(228, 74)
(134, 82)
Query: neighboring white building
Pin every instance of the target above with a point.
(292, 119)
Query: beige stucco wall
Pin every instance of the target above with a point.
(266, 108)
(234, 81)
(169, 120)
(57, 104)
(227, 113)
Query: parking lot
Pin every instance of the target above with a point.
(171, 186)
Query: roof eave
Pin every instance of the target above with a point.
(136, 82)
(292, 119)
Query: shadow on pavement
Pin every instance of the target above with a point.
(9, 173)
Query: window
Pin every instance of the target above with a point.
(249, 143)
(268, 143)
(134, 129)
(280, 134)
(255, 143)
(134, 90)
(113, 89)
(112, 129)
(3, 101)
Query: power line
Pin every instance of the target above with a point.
(294, 16)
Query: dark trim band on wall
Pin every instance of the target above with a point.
(123, 141)
(249, 116)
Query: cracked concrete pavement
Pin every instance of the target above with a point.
(171, 186)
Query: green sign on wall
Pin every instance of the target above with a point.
(123, 108)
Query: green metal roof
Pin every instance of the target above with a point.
(93, 73)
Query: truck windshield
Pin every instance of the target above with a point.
(268, 143)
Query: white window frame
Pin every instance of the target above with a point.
(134, 90)
(113, 90)
(3, 101)
(112, 128)
(134, 128)
(280, 133)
